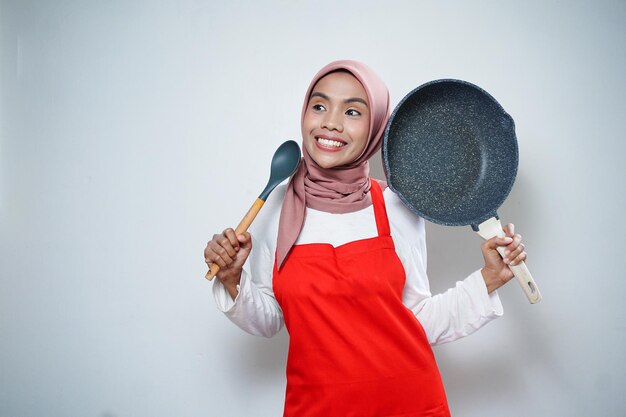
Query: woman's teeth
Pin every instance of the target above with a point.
(328, 142)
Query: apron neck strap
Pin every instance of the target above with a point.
(380, 212)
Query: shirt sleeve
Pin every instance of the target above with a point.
(255, 308)
(445, 317)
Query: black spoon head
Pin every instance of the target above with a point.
(284, 163)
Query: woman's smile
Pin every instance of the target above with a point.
(329, 143)
(336, 122)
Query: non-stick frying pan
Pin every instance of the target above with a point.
(450, 153)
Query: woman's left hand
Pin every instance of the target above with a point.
(496, 272)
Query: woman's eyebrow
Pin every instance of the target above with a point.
(348, 100)
(356, 99)
(318, 94)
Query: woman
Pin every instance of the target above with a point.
(342, 262)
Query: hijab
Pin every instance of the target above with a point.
(342, 189)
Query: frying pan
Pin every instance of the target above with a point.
(450, 154)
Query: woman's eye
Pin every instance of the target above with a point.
(318, 107)
(353, 112)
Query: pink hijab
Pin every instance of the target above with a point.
(342, 189)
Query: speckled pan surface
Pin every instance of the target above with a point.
(450, 152)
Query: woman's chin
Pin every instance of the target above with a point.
(326, 164)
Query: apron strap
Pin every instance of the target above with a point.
(380, 212)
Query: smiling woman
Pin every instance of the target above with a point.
(336, 121)
(341, 262)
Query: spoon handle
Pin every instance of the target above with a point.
(242, 227)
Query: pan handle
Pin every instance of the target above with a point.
(492, 227)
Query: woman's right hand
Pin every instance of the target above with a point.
(230, 252)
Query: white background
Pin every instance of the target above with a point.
(131, 131)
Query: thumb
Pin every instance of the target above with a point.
(496, 241)
(245, 240)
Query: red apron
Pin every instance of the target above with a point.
(355, 349)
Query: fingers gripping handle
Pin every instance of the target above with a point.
(491, 228)
(244, 224)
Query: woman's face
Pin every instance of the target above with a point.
(336, 121)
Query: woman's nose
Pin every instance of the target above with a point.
(332, 121)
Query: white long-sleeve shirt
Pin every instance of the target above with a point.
(445, 317)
